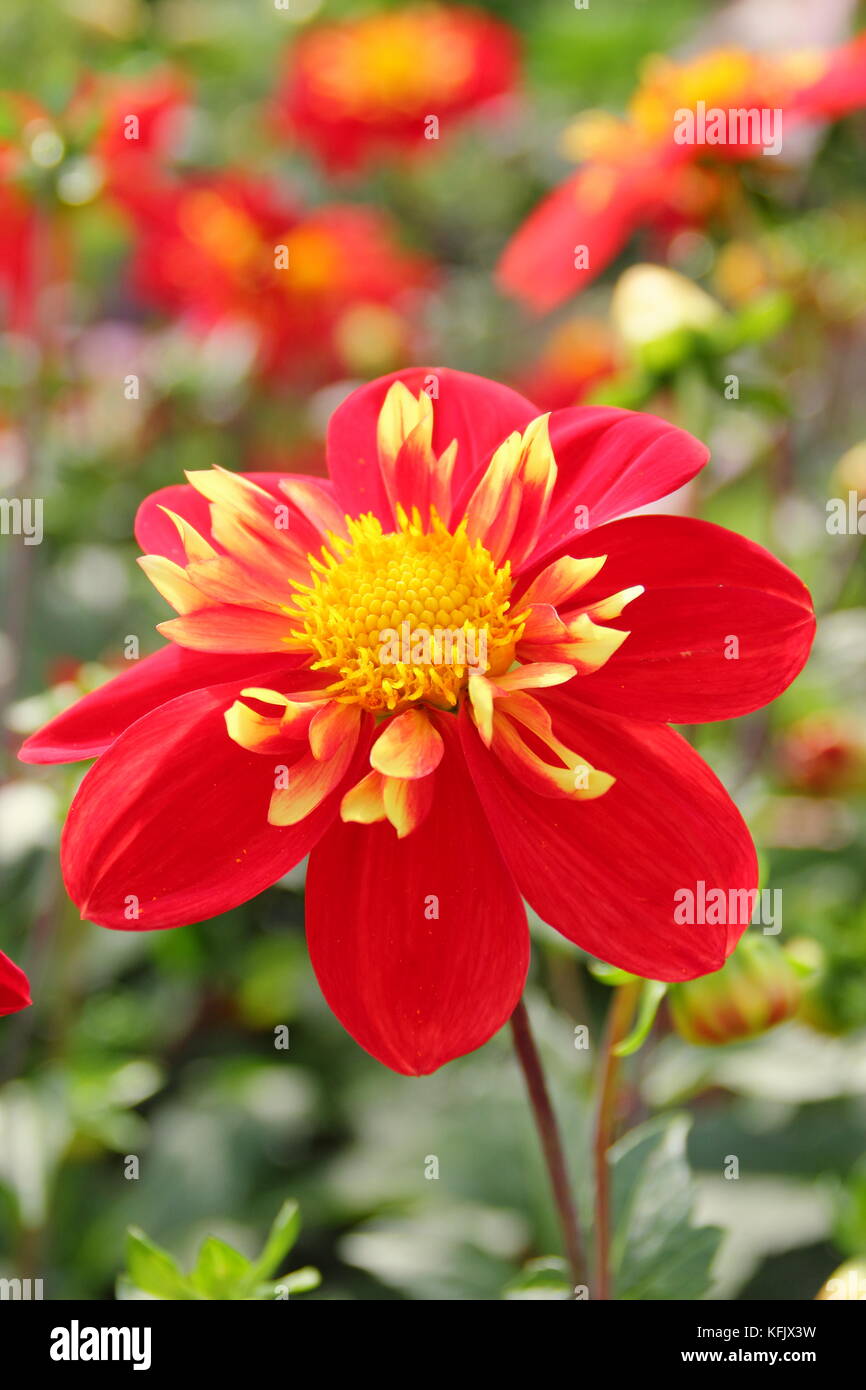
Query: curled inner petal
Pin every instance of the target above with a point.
(521, 732)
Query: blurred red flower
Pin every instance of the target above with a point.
(112, 141)
(17, 257)
(140, 125)
(316, 288)
(360, 88)
(635, 172)
(432, 791)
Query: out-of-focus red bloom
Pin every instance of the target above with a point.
(635, 172)
(112, 141)
(302, 706)
(360, 88)
(28, 249)
(139, 129)
(14, 987)
(17, 226)
(316, 288)
(577, 356)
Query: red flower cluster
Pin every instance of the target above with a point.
(320, 291)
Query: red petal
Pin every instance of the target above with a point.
(92, 724)
(604, 872)
(704, 586)
(538, 264)
(610, 462)
(840, 88)
(417, 992)
(175, 816)
(14, 987)
(478, 413)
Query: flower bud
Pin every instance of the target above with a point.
(847, 1283)
(651, 302)
(823, 753)
(850, 472)
(758, 987)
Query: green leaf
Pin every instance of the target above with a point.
(153, 1270)
(651, 995)
(656, 1252)
(221, 1271)
(763, 319)
(281, 1238)
(850, 1230)
(610, 974)
(299, 1281)
(544, 1278)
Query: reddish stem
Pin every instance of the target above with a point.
(551, 1143)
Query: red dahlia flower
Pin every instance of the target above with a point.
(363, 87)
(14, 987)
(232, 250)
(634, 171)
(433, 787)
(140, 129)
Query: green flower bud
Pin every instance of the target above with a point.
(758, 987)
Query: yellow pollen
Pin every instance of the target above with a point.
(408, 615)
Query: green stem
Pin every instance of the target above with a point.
(551, 1143)
(625, 999)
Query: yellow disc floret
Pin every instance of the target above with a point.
(408, 615)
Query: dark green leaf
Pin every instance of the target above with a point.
(656, 1252)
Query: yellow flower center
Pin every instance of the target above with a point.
(406, 616)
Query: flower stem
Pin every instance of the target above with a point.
(551, 1142)
(625, 998)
